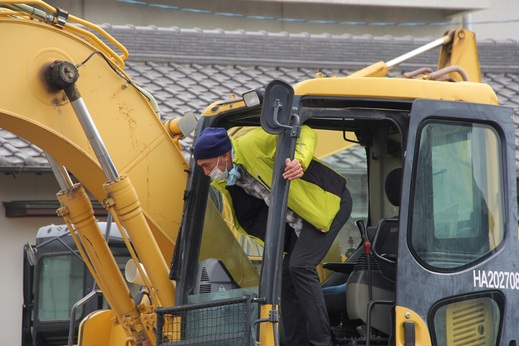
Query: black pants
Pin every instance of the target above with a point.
(303, 310)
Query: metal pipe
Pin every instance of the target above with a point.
(33, 11)
(60, 173)
(95, 140)
(447, 70)
(79, 303)
(467, 21)
(420, 71)
(419, 51)
(63, 75)
(380, 69)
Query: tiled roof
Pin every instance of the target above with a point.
(189, 69)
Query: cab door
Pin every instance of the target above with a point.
(458, 263)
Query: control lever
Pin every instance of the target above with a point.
(364, 235)
(367, 250)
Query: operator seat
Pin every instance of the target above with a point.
(385, 242)
(393, 186)
(379, 269)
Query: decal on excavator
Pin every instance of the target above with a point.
(496, 279)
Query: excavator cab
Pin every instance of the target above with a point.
(430, 262)
(59, 291)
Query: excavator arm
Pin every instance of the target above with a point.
(458, 60)
(132, 133)
(65, 91)
(101, 119)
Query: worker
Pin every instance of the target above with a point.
(319, 204)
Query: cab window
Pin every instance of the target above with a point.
(457, 206)
(60, 287)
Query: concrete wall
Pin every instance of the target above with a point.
(399, 3)
(499, 22)
(252, 16)
(14, 233)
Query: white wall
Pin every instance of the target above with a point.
(14, 233)
(121, 13)
(502, 13)
(400, 3)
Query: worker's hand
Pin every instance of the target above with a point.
(293, 169)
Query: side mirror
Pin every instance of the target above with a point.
(276, 113)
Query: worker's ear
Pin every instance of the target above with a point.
(227, 156)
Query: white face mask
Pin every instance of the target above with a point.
(217, 174)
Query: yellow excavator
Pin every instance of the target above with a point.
(429, 256)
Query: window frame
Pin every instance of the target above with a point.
(430, 227)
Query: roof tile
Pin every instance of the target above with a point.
(187, 69)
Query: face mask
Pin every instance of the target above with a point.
(217, 174)
(234, 175)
